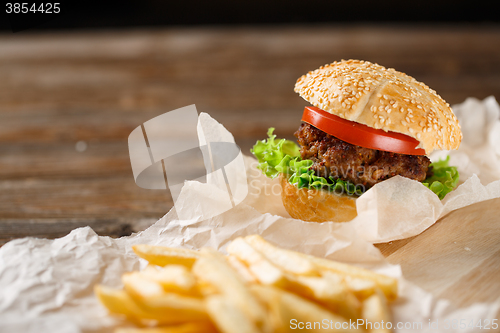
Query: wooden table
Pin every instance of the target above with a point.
(68, 102)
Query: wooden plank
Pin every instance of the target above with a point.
(478, 285)
(58, 227)
(228, 70)
(457, 258)
(80, 197)
(18, 161)
(52, 207)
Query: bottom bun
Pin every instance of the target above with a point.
(316, 205)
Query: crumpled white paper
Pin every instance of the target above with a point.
(47, 285)
(400, 207)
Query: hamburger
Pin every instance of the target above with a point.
(366, 124)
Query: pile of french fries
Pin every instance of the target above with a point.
(258, 287)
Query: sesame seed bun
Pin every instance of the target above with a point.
(316, 205)
(382, 98)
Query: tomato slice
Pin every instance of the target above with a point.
(359, 134)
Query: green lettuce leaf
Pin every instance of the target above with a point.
(300, 174)
(277, 156)
(283, 156)
(444, 179)
(271, 152)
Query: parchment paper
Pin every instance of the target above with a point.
(47, 285)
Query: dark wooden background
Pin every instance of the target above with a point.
(59, 88)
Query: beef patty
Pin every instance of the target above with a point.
(361, 166)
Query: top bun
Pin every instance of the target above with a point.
(382, 98)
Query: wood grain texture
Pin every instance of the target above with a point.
(458, 258)
(60, 88)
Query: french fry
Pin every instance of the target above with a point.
(139, 287)
(162, 255)
(388, 285)
(175, 308)
(258, 287)
(375, 310)
(362, 288)
(292, 308)
(206, 289)
(289, 261)
(315, 287)
(198, 327)
(240, 267)
(118, 302)
(263, 270)
(303, 264)
(213, 268)
(229, 318)
(173, 278)
(330, 293)
(275, 321)
(171, 307)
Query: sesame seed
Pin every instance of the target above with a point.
(353, 79)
